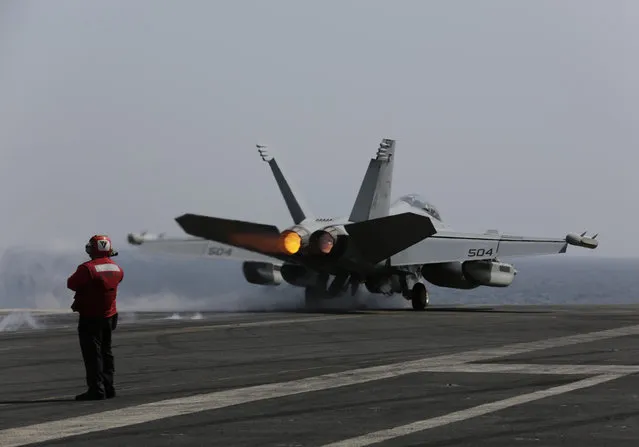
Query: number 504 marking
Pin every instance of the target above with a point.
(219, 251)
(474, 252)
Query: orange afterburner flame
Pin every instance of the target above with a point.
(290, 242)
(257, 242)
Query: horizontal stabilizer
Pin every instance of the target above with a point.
(194, 246)
(257, 237)
(379, 239)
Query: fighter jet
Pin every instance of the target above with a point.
(389, 247)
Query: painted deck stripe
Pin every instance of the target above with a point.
(154, 411)
(240, 324)
(462, 415)
(533, 368)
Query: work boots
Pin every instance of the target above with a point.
(90, 395)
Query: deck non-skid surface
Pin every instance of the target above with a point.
(493, 376)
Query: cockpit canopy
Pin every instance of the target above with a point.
(419, 202)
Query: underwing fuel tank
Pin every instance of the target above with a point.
(489, 273)
(261, 273)
(469, 274)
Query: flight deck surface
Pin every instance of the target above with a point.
(450, 376)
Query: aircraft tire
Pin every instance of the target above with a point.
(419, 297)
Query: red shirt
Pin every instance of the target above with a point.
(95, 284)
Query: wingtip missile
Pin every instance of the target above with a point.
(580, 240)
(140, 238)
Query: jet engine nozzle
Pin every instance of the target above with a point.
(328, 241)
(325, 242)
(294, 240)
(290, 242)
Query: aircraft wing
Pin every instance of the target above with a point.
(194, 246)
(450, 246)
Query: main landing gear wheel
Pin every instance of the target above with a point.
(419, 296)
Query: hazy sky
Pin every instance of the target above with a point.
(118, 116)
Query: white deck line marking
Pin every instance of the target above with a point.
(139, 414)
(240, 324)
(457, 416)
(485, 368)
(522, 348)
(126, 388)
(150, 331)
(526, 368)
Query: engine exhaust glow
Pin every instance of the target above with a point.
(291, 242)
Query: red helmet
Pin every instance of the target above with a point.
(99, 246)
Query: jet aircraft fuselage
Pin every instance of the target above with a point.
(390, 247)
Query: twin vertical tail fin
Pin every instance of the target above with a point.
(373, 198)
(297, 207)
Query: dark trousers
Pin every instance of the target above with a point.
(95, 343)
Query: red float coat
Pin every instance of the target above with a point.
(95, 284)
